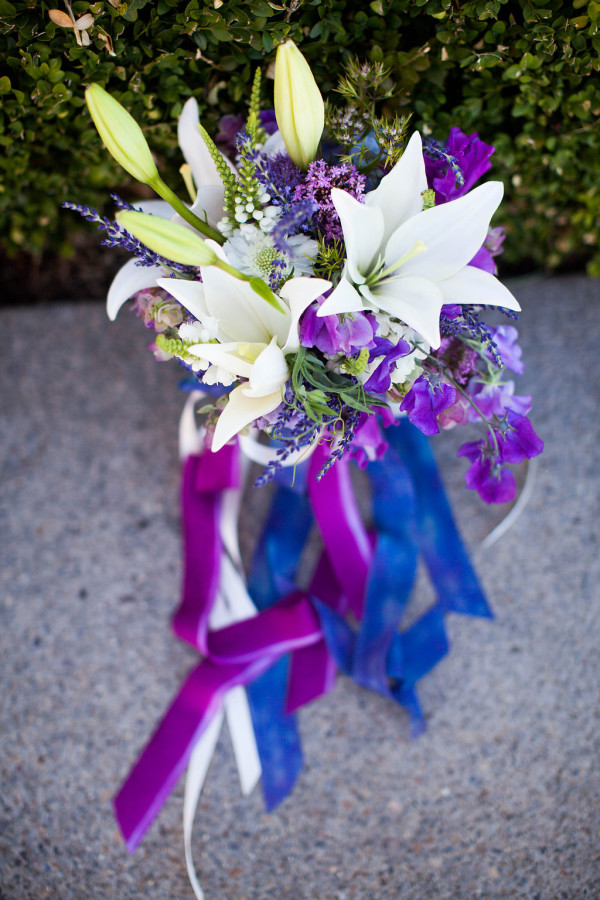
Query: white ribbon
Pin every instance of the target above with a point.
(232, 604)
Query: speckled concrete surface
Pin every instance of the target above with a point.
(500, 797)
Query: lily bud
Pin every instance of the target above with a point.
(299, 107)
(121, 134)
(174, 242)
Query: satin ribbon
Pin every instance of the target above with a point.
(287, 654)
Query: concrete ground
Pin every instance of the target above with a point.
(499, 798)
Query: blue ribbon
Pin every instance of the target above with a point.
(412, 517)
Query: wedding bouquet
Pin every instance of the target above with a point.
(323, 288)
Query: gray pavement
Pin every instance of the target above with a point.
(499, 798)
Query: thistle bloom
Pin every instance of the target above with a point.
(299, 107)
(409, 262)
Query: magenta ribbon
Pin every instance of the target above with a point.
(234, 655)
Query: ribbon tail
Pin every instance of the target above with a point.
(200, 760)
(243, 740)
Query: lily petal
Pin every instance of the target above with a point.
(240, 411)
(398, 194)
(472, 285)
(269, 372)
(189, 293)
(452, 233)
(225, 355)
(241, 313)
(416, 301)
(193, 147)
(207, 205)
(343, 298)
(130, 279)
(363, 228)
(300, 293)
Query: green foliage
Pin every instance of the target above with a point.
(523, 73)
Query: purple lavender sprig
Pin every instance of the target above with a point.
(117, 236)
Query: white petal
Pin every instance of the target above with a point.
(159, 208)
(189, 293)
(241, 313)
(363, 233)
(300, 293)
(452, 233)
(343, 298)
(130, 279)
(239, 412)
(472, 285)
(193, 147)
(209, 200)
(225, 355)
(415, 301)
(398, 194)
(273, 145)
(269, 372)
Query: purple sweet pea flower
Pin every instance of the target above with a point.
(483, 260)
(229, 126)
(367, 444)
(505, 337)
(268, 122)
(380, 379)
(496, 400)
(427, 398)
(493, 483)
(472, 156)
(517, 439)
(333, 334)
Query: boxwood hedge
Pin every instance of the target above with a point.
(523, 73)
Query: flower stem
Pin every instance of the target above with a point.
(173, 200)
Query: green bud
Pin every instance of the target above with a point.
(121, 134)
(299, 107)
(175, 242)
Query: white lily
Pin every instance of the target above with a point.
(132, 278)
(408, 262)
(253, 337)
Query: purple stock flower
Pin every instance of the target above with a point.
(380, 379)
(332, 335)
(469, 153)
(428, 397)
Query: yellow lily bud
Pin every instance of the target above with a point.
(121, 134)
(175, 242)
(299, 107)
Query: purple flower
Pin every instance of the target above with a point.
(279, 172)
(428, 397)
(487, 473)
(469, 153)
(268, 122)
(517, 439)
(493, 482)
(229, 126)
(380, 379)
(483, 260)
(318, 182)
(367, 444)
(334, 334)
(505, 337)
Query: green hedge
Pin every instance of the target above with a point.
(523, 73)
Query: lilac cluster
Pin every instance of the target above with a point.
(316, 186)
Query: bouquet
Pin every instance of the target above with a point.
(324, 289)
